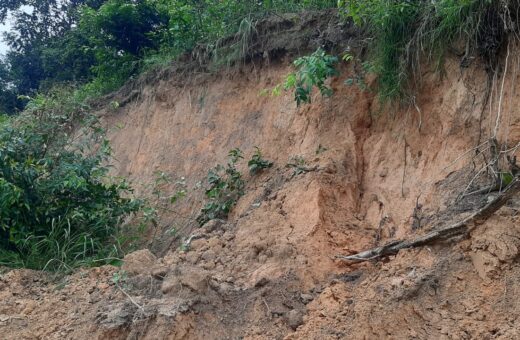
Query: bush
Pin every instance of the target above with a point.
(311, 71)
(226, 186)
(257, 163)
(58, 209)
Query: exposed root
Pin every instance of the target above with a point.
(458, 229)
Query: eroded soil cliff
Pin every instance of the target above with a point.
(371, 175)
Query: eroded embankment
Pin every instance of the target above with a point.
(269, 271)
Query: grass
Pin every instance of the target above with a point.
(404, 33)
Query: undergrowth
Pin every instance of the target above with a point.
(59, 209)
(311, 71)
(226, 185)
(257, 163)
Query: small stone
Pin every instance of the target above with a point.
(170, 285)
(209, 255)
(480, 317)
(19, 321)
(159, 272)
(29, 308)
(192, 257)
(198, 244)
(208, 265)
(228, 236)
(214, 242)
(213, 225)
(306, 298)
(139, 262)
(261, 282)
(225, 288)
(294, 319)
(195, 279)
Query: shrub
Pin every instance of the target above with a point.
(226, 186)
(257, 163)
(58, 207)
(311, 71)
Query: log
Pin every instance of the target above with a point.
(462, 227)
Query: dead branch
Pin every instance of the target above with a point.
(460, 228)
(130, 298)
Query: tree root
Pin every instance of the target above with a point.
(460, 228)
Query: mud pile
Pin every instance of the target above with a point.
(269, 271)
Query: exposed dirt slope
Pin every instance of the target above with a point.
(269, 272)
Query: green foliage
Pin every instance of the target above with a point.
(163, 180)
(226, 186)
(405, 31)
(45, 45)
(9, 102)
(58, 208)
(120, 277)
(321, 149)
(99, 44)
(311, 71)
(257, 163)
(505, 178)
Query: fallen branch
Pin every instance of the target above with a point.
(460, 228)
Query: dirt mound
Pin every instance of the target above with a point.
(269, 271)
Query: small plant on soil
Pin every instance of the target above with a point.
(120, 280)
(298, 165)
(321, 149)
(226, 186)
(119, 277)
(311, 71)
(257, 163)
(359, 76)
(164, 181)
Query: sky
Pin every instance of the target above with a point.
(5, 27)
(3, 46)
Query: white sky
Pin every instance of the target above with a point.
(3, 46)
(6, 27)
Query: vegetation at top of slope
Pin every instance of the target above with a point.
(402, 32)
(96, 45)
(312, 71)
(102, 43)
(58, 207)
